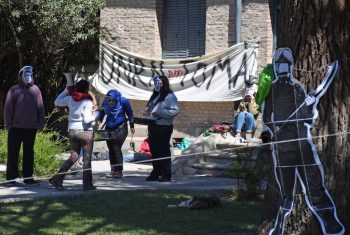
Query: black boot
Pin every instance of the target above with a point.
(57, 180)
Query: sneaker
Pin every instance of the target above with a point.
(56, 185)
(115, 174)
(11, 184)
(248, 136)
(151, 178)
(164, 179)
(239, 140)
(31, 182)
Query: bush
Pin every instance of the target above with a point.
(47, 146)
(246, 168)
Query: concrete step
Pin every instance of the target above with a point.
(211, 169)
(219, 158)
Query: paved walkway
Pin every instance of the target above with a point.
(134, 179)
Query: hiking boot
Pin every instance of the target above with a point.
(151, 178)
(89, 187)
(115, 174)
(164, 179)
(56, 184)
(31, 182)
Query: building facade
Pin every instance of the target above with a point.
(165, 29)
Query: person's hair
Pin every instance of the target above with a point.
(164, 90)
(82, 86)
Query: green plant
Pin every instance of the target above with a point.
(248, 175)
(3, 146)
(47, 145)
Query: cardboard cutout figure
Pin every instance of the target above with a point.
(290, 113)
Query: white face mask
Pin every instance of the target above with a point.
(156, 81)
(283, 69)
(27, 75)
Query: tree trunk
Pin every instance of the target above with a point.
(318, 33)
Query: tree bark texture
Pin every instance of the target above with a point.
(318, 32)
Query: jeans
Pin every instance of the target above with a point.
(134, 157)
(245, 122)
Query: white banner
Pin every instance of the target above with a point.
(215, 77)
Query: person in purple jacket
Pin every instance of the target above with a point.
(24, 115)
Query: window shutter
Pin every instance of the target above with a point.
(184, 28)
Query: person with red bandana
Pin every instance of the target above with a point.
(80, 132)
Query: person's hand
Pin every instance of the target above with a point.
(309, 100)
(132, 130)
(94, 108)
(248, 98)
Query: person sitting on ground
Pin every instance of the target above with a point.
(144, 153)
(245, 116)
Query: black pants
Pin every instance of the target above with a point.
(115, 147)
(159, 143)
(17, 136)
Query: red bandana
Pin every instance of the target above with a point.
(78, 96)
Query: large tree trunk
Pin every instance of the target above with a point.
(318, 32)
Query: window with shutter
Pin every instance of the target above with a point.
(184, 28)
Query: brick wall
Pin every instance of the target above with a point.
(195, 117)
(133, 26)
(136, 26)
(220, 25)
(256, 23)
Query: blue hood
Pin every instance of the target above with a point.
(115, 114)
(115, 94)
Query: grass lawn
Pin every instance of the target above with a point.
(132, 212)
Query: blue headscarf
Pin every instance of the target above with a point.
(111, 103)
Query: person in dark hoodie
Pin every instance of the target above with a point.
(116, 107)
(24, 115)
(80, 132)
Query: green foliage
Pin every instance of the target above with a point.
(52, 36)
(248, 175)
(47, 145)
(3, 146)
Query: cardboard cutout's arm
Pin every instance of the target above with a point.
(327, 80)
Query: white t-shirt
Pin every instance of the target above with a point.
(81, 116)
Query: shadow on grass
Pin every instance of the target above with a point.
(133, 212)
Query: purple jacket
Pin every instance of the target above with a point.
(24, 107)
